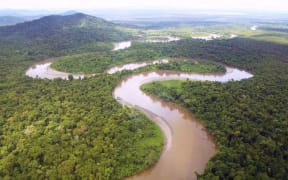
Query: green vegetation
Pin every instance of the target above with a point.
(270, 32)
(62, 33)
(57, 129)
(71, 129)
(64, 28)
(98, 62)
(247, 118)
(191, 66)
(185, 65)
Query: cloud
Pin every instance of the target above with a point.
(275, 5)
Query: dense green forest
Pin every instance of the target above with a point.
(73, 129)
(242, 116)
(67, 129)
(63, 34)
(185, 65)
(98, 62)
(58, 129)
(73, 28)
(89, 63)
(247, 118)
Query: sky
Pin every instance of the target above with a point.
(259, 5)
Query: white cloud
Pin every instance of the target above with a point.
(272, 5)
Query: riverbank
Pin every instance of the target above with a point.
(175, 123)
(185, 156)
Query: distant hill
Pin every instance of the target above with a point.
(59, 30)
(12, 20)
(71, 12)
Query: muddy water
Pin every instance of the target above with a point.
(188, 146)
(162, 39)
(121, 45)
(135, 65)
(126, 44)
(44, 71)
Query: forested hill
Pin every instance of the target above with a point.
(63, 31)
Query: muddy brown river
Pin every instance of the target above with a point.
(188, 146)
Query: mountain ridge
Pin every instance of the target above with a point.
(64, 30)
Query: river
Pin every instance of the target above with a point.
(44, 71)
(122, 45)
(127, 44)
(188, 146)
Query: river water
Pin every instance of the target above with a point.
(126, 44)
(188, 146)
(43, 70)
(122, 45)
(136, 65)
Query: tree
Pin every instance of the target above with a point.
(70, 77)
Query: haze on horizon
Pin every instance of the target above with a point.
(229, 5)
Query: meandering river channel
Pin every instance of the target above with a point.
(188, 146)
